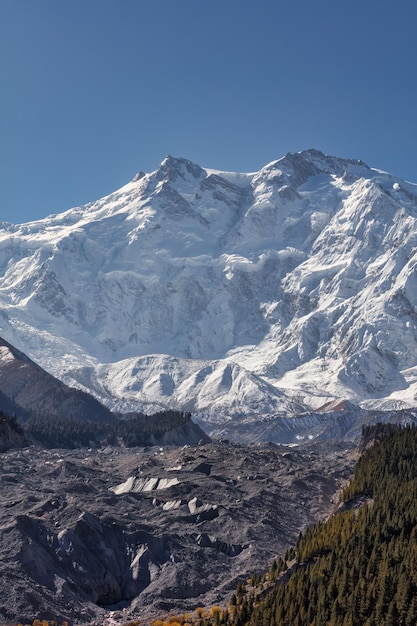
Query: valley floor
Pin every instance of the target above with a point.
(135, 533)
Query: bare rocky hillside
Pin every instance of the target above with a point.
(139, 532)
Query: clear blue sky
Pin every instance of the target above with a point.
(93, 91)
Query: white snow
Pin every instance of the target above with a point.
(230, 295)
(5, 355)
(137, 485)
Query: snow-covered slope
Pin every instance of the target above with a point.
(235, 296)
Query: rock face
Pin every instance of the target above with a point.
(142, 532)
(225, 294)
(27, 390)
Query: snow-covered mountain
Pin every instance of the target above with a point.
(236, 296)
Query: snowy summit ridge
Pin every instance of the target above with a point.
(232, 295)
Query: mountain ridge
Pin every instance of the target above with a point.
(232, 295)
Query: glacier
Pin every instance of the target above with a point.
(241, 297)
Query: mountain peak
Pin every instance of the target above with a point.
(312, 162)
(138, 176)
(173, 168)
(328, 163)
(295, 168)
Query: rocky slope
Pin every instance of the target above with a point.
(135, 533)
(244, 296)
(57, 415)
(27, 390)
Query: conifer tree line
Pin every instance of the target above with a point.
(11, 421)
(133, 430)
(10, 432)
(359, 568)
